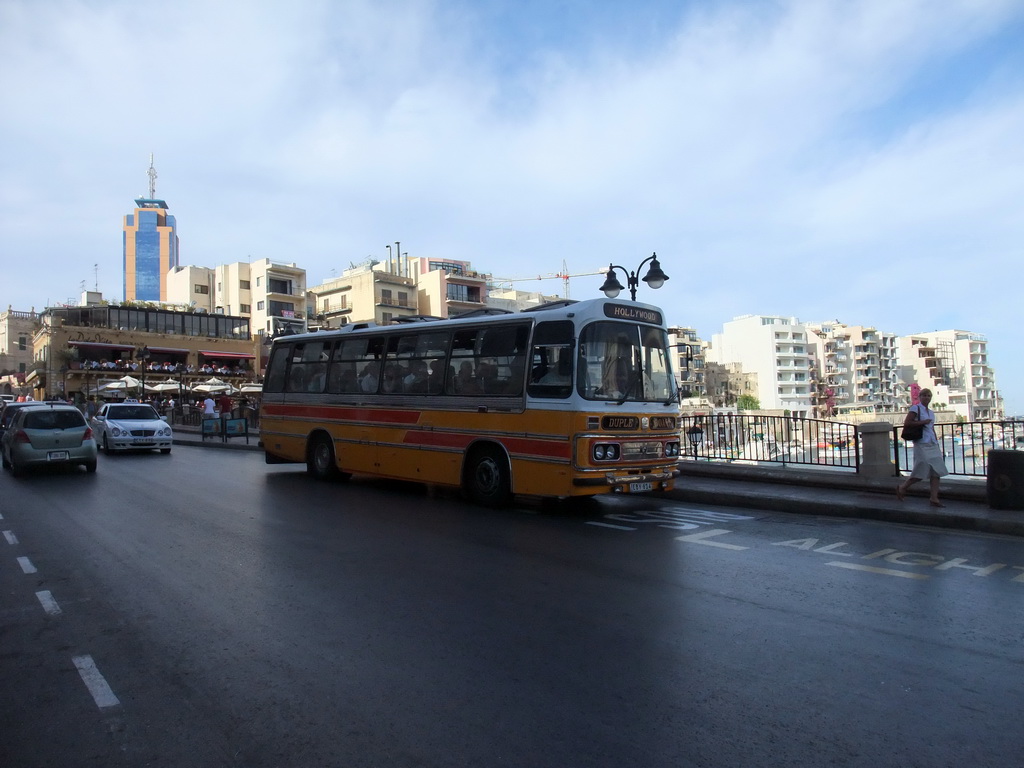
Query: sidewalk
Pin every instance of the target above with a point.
(827, 493)
(832, 493)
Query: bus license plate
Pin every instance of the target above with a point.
(57, 456)
(640, 487)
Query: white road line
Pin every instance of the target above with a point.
(11, 538)
(699, 538)
(49, 604)
(882, 571)
(101, 693)
(609, 525)
(26, 565)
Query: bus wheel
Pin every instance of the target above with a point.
(487, 479)
(320, 460)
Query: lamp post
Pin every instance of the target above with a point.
(654, 278)
(696, 436)
(144, 353)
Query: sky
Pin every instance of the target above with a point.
(856, 160)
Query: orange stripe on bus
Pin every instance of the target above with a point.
(559, 448)
(335, 413)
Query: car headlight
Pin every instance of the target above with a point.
(115, 431)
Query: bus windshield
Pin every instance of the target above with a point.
(625, 362)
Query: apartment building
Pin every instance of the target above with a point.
(954, 365)
(446, 287)
(689, 360)
(775, 348)
(856, 369)
(271, 294)
(16, 332)
(367, 293)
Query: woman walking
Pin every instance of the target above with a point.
(928, 462)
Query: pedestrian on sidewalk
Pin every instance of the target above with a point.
(928, 462)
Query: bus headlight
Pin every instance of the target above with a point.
(605, 452)
(672, 450)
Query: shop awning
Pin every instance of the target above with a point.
(166, 350)
(98, 344)
(227, 355)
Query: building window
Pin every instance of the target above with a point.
(219, 288)
(23, 343)
(243, 285)
(259, 306)
(245, 308)
(258, 281)
(202, 288)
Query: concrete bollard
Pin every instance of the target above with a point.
(875, 453)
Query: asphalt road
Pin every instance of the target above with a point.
(204, 609)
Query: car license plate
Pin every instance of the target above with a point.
(640, 487)
(142, 442)
(57, 456)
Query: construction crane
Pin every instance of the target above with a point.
(563, 276)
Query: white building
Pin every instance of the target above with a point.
(856, 365)
(776, 349)
(954, 366)
(272, 295)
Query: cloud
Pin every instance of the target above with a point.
(804, 159)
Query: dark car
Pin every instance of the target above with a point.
(48, 434)
(7, 411)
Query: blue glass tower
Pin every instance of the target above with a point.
(150, 243)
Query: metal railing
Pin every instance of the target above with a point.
(816, 442)
(965, 446)
(781, 439)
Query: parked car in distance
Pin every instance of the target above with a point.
(131, 426)
(7, 398)
(47, 434)
(7, 411)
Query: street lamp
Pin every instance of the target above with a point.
(144, 353)
(696, 437)
(654, 278)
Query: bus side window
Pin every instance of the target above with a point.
(274, 380)
(551, 358)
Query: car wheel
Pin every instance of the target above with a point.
(165, 451)
(90, 466)
(16, 469)
(106, 444)
(6, 463)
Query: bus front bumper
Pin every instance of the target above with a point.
(630, 483)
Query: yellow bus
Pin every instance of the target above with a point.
(565, 399)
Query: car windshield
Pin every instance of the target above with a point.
(44, 418)
(132, 413)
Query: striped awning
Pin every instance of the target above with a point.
(226, 355)
(98, 344)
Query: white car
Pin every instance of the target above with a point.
(131, 427)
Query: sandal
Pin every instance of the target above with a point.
(936, 503)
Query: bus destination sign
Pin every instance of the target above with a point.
(632, 312)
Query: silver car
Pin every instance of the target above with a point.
(48, 435)
(131, 427)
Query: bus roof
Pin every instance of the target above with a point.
(563, 308)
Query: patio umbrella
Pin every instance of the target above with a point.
(251, 388)
(125, 382)
(164, 386)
